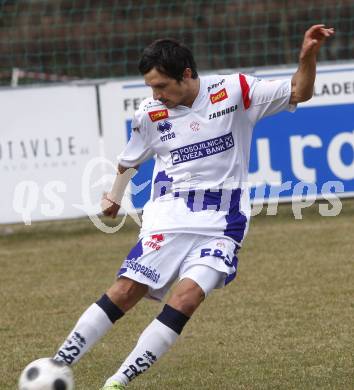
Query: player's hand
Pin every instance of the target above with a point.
(314, 38)
(108, 206)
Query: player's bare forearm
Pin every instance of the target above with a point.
(304, 79)
(111, 201)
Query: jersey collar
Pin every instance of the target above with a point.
(198, 101)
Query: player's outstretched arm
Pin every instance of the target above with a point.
(111, 201)
(304, 79)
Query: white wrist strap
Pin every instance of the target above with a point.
(120, 184)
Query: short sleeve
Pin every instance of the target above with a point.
(265, 97)
(138, 148)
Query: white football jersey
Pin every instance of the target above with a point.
(202, 154)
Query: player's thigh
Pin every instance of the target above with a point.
(218, 253)
(126, 293)
(156, 261)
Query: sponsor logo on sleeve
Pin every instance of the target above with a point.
(218, 96)
(158, 115)
(202, 149)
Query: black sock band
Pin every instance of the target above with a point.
(113, 312)
(173, 318)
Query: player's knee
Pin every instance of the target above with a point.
(186, 304)
(125, 293)
(187, 300)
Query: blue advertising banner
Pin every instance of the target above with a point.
(314, 145)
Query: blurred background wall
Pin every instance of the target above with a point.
(104, 38)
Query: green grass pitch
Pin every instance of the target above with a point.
(287, 322)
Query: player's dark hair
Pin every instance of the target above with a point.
(169, 57)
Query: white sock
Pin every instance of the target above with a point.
(92, 325)
(156, 339)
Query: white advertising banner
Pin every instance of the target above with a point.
(119, 100)
(334, 83)
(48, 136)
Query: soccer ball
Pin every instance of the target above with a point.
(46, 374)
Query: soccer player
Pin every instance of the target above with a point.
(199, 129)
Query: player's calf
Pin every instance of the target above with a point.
(98, 319)
(91, 326)
(156, 339)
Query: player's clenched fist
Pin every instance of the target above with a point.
(108, 206)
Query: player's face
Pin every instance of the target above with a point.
(169, 91)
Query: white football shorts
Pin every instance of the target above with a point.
(160, 259)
